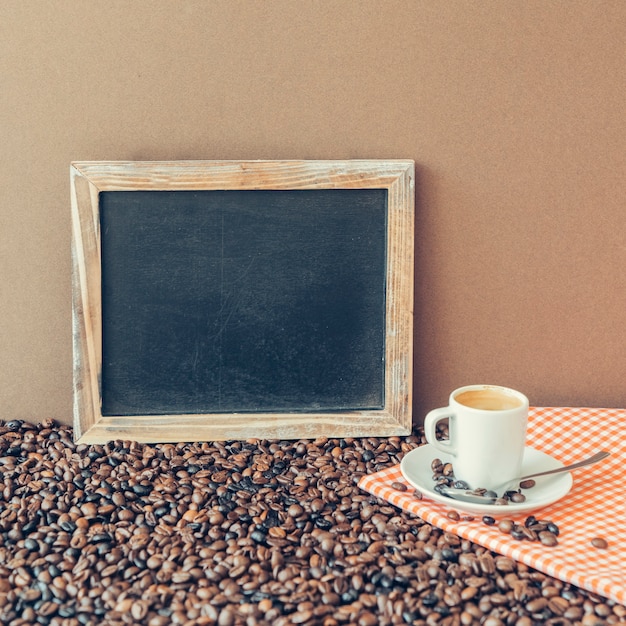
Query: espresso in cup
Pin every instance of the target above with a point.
(487, 434)
(488, 399)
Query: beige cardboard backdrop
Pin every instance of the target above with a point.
(513, 112)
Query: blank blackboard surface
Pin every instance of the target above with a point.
(243, 300)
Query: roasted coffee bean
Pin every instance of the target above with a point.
(558, 605)
(536, 605)
(547, 538)
(505, 525)
(437, 466)
(530, 520)
(368, 455)
(447, 470)
(448, 554)
(529, 483)
(31, 544)
(430, 600)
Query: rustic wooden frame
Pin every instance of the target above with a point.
(88, 179)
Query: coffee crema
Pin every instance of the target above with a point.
(488, 400)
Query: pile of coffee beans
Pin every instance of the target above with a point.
(443, 476)
(243, 533)
(544, 531)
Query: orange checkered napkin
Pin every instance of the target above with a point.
(595, 507)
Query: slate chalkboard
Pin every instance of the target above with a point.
(242, 300)
(217, 300)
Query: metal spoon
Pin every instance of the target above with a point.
(468, 495)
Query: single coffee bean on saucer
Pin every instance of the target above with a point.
(518, 497)
(437, 466)
(529, 483)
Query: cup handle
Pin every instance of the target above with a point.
(430, 430)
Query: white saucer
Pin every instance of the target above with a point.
(416, 469)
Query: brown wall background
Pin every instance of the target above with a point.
(513, 112)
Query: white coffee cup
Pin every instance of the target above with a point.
(487, 434)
